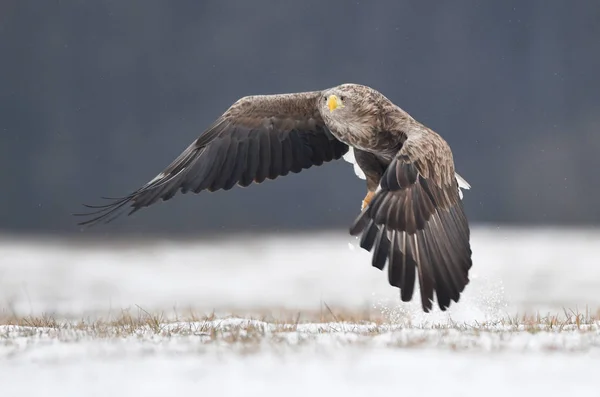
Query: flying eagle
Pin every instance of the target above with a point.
(412, 216)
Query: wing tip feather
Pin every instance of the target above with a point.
(443, 254)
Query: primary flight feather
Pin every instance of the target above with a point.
(412, 216)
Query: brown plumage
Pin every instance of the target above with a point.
(412, 217)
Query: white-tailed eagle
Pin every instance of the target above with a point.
(412, 216)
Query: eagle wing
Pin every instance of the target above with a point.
(257, 138)
(417, 223)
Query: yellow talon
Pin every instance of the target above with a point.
(367, 200)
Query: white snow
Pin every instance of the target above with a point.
(320, 359)
(352, 371)
(466, 351)
(514, 270)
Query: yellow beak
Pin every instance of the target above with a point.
(333, 102)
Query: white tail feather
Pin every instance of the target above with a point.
(349, 157)
(462, 184)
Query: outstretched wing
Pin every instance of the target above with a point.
(417, 223)
(257, 138)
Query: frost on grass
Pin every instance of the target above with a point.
(148, 334)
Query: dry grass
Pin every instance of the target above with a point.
(572, 332)
(246, 326)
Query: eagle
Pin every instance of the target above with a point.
(412, 216)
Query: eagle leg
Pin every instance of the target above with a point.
(367, 199)
(373, 168)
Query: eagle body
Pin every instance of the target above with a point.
(412, 217)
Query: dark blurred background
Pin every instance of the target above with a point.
(97, 97)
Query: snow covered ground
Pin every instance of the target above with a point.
(514, 269)
(480, 346)
(232, 357)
